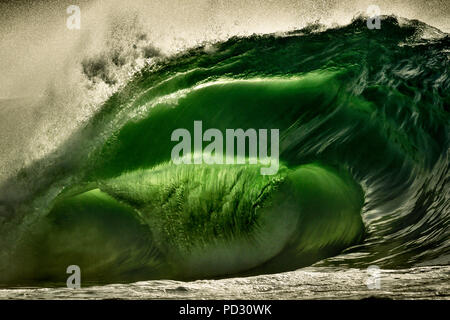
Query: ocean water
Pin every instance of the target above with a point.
(308, 283)
(363, 118)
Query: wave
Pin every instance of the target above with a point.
(363, 118)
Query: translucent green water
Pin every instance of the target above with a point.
(363, 119)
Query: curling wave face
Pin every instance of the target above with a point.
(363, 120)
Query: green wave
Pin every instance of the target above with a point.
(363, 121)
(189, 222)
